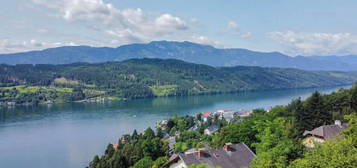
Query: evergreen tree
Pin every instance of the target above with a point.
(135, 134)
(302, 116)
(149, 133)
(95, 161)
(118, 160)
(110, 150)
(160, 133)
(354, 98)
(317, 114)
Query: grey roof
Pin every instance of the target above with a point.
(239, 156)
(193, 128)
(326, 131)
(212, 128)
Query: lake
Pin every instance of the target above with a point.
(69, 135)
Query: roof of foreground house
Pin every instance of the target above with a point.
(238, 156)
(326, 131)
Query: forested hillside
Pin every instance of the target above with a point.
(275, 136)
(138, 78)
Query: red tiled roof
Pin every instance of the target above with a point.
(206, 114)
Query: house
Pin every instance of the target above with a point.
(123, 140)
(205, 116)
(193, 128)
(228, 115)
(163, 124)
(230, 156)
(211, 129)
(223, 111)
(11, 103)
(322, 133)
(244, 113)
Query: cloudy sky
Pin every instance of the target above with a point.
(294, 27)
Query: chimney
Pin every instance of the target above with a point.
(227, 147)
(200, 153)
(123, 140)
(338, 122)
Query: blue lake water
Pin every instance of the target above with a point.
(69, 135)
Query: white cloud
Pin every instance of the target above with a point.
(233, 28)
(296, 43)
(125, 25)
(167, 21)
(246, 35)
(10, 46)
(88, 10)
(205, 40)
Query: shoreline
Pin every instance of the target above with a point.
(113, 98)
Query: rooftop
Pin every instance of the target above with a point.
(206, 114)
(235, 156)
(326, 131)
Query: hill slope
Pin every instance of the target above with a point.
(186, 51)
(148, 78)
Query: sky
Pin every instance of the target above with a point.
(293, 27)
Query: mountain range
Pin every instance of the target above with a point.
(186, 51)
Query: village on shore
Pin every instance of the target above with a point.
(230, 155)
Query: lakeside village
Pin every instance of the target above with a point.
(187, 148)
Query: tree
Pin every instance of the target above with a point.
(199, 117)
(135, 133)
(95, 161)
(159, 162)
(118, 160)
(145, 162)
(160, 133)
(274, 149)
(296, 109)
(354, 98)
(316, 114)
(149, 133)
(110, 150)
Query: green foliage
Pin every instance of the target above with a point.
(149, 133)
(140, 78)
(354, 98)
(138, 151)
(198, 166)
(201, 166)
(164, 90)
(180, 147)
(316, 112)
(340, 152)
(159, 162)
(274, 147)
(275, 136)
(145, 162)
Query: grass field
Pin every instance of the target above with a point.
(163, 90)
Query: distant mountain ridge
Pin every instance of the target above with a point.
(186, 51)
